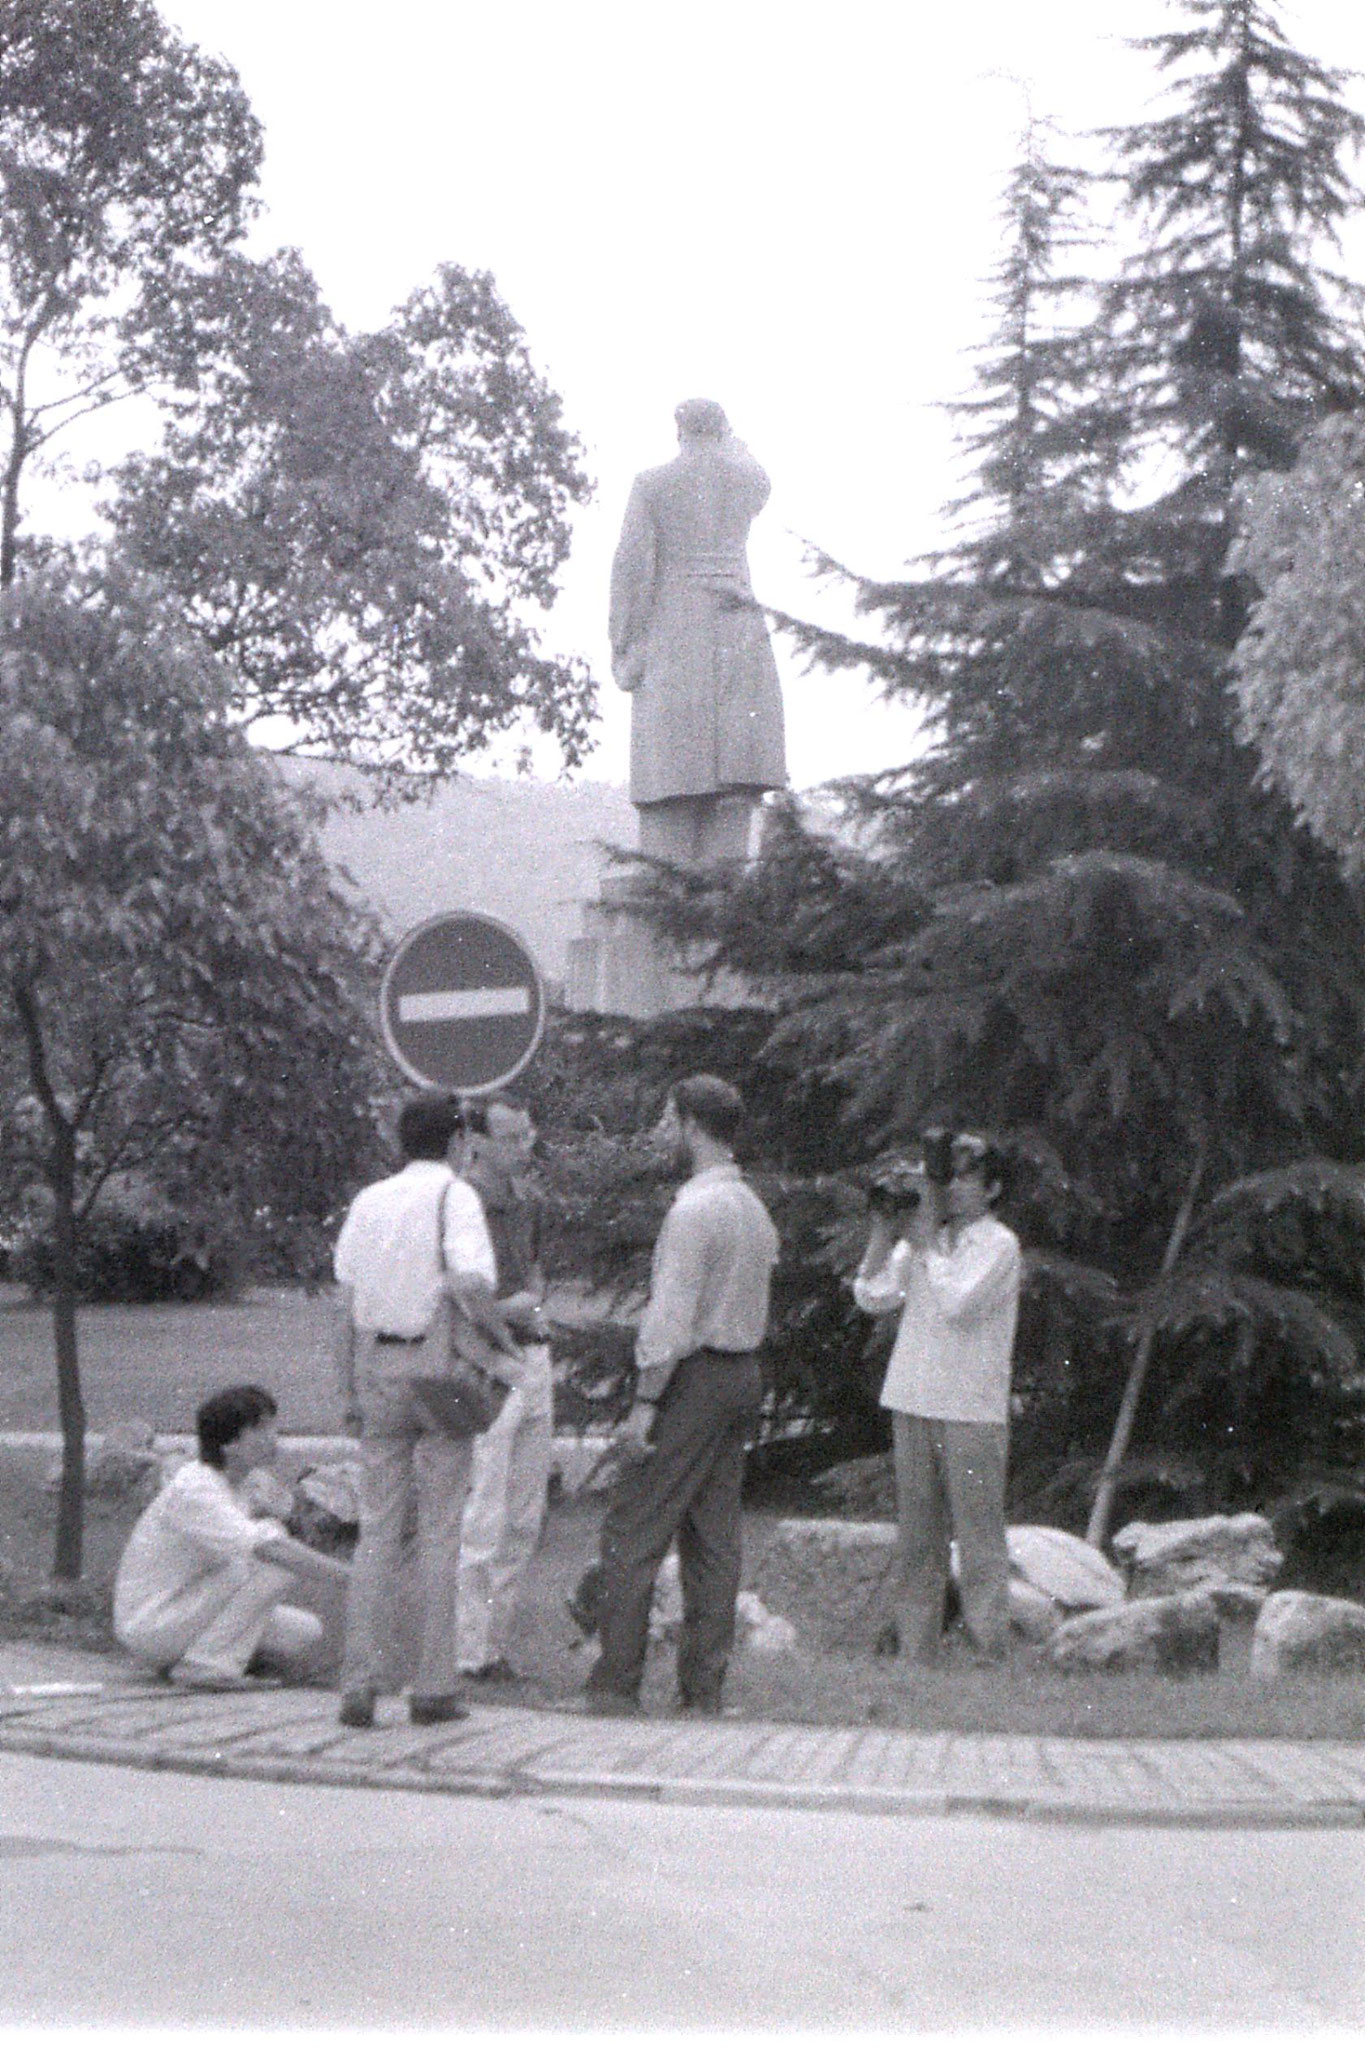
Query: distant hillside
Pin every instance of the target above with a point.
(524, 851)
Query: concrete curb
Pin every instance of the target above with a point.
(718, 1792)
(517, 1752)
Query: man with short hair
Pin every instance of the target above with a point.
(953, 1269)
(198, 1589)
(511, 1465)
(698, 1398)
(406, 1240)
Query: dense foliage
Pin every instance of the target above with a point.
(182, 990)
(1080, 920)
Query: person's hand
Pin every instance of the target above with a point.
(922, 1225)
(632, 1434)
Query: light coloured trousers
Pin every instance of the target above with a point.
(398, 1450)
(950, 1482)
(222, 1620)
(504, 1513)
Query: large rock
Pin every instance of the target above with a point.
(1174, 1634)
(839, 1574)
(834, 1576)
(1307, 1632)
(1064, 1567)
(756, 1626)
(1179, 1557)
(122, 1466)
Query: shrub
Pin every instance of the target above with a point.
(125, 1256)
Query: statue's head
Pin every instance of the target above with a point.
(701, 419)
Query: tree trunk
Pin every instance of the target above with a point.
(1097, 1528)
(61, 1177)
(66, 1562)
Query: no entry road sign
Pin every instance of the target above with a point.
(462, 1005)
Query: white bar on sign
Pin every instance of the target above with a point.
(447, 1005)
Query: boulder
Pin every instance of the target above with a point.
(833, 1576)
(324, 1509)
(1179, 1557)
(1033, 1614)
(756, 1627)
(1066, 1568)
(1173, 1634)
(1307, 1632)
(767, 1634)
(120, 1466)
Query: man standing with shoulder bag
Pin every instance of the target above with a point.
(407, 1242)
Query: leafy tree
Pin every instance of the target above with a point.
(359, 523)
(1299, 669)
(356, 523)
(182, 980)
(126, 163)
(1098, 934)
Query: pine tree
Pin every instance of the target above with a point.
(1115, 946)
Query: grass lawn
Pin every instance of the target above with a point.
(156, 1364)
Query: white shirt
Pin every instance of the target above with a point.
(955, 1345)
(194, 1527)
(387, 1248)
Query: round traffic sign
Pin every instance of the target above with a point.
(462, 1005)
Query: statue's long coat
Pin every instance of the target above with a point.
(686, 634)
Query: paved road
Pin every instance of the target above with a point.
(131, 1898)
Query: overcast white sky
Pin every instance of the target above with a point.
(784, 206)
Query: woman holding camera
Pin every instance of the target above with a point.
(940, 1255)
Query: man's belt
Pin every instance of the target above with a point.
(389, 1337)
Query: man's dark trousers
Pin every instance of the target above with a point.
(689, 1487)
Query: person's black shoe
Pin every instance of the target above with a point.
(357, 1707)
(425, 1709)
(700, 1710)
(497, 1671)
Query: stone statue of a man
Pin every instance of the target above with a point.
(688, 639)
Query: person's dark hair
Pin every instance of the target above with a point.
(220, 1420)
(712, 1103)
(427, 1124)
(987, 1159)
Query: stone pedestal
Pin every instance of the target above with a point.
(618, 967)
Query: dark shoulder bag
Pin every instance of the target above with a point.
(464, 1394)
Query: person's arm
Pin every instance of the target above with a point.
(879, 1285)
(668, 1324)
(294, 1556)
(974, 1276)
(343, 1359)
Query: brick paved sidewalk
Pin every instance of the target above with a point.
(63, 1703)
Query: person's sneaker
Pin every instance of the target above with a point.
(204, 1678)
(497, 1671)
(425, 1709)
(357, 1707)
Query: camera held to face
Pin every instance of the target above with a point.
(896, 1188)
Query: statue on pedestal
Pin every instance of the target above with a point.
(689, 642)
